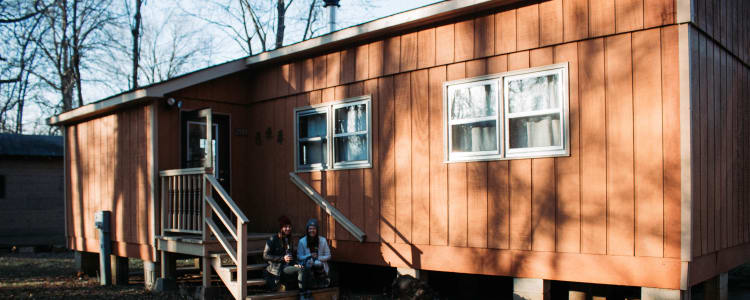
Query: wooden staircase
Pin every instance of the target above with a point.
(227, 270)
(224, 267)
(199, 218)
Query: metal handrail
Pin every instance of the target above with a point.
(332, 211)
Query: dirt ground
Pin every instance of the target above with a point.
(52, 275)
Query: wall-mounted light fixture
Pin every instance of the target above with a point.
(173, 102)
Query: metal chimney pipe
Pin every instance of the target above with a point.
(332, 5)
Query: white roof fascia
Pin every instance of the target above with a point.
(151, 91)
(398, 20)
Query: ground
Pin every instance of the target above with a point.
(51, 275)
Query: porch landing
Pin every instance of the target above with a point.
(193, 245)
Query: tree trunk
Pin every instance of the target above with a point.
(281, 10)
(136, 32)
(76, 57)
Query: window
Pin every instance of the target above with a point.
(534, 112)
(350, 145)
(517, 114)
(473, 120)
(196, 141)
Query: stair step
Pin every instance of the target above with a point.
(258, 236)
(249, 267)
(326, 293)
(256, 282)
(249, 253)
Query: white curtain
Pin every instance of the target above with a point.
(538, 131)
(351, 119)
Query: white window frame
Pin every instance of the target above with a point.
(562, 93)
(307, 112)
(330, 110)
(448, 133)
(503, 118)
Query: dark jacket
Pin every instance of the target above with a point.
(275, 251)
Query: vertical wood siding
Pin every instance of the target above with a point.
(726, 23)
(618, 193)
(109, 167)
(720, 205)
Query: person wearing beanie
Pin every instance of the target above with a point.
(313, 253)
(282, 269)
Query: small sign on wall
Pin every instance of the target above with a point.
(240, 132)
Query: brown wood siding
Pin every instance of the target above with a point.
(617, 194)
(109, 167)
(504, 31)
(223, 97)
(719, 141)
(726, 23)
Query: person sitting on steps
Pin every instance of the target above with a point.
(282, 270)
(313, 254)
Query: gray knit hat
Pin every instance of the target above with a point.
(312, 222)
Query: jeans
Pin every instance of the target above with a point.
(288, 276)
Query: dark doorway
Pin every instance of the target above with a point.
(193, 140)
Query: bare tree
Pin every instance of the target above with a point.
(19, 25)
(72, 30)
(171, 48)
(135, 30)
(253, 24)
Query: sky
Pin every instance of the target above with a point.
(168, 14)
(350, 13)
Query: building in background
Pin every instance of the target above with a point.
(31, 190)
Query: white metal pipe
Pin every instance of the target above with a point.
(332, 18)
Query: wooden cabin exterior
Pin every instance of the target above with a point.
(649, 190)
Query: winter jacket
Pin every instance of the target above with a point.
(324, 253)
(274, 253)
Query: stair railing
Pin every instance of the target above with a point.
(332, 211)
(181, 197)
(238, 230)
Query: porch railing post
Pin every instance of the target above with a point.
(163, 205)
(204, 232)
(242, 257)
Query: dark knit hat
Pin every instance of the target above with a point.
(283, 221)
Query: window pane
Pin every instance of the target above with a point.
(351, 118)
(473, 102)
(351, 148)
(473, 137)
(196, 145)
(312, 125)
(533, 93)
(536, 131)
(313, 152)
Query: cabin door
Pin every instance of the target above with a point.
(197, 153)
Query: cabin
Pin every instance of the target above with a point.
(597, 142)
(31, 189)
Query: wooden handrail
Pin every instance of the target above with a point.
(188, 171)
(223, 217)
(239, 231)
(332, 211)
(222, 240)
(227, 200)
